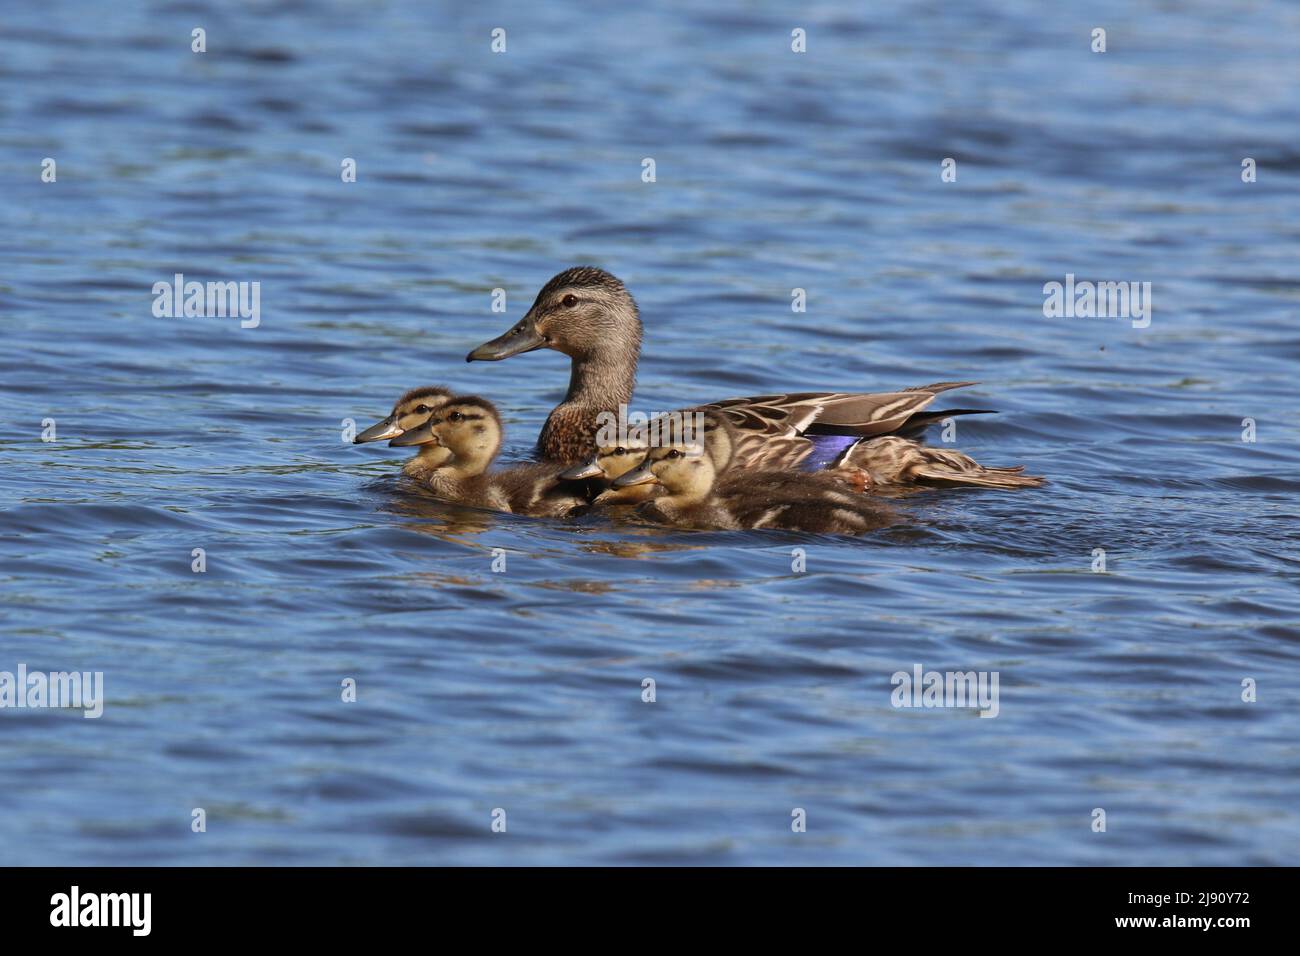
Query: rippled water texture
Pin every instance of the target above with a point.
(522, 690)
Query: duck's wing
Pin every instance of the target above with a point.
(839, 413)
(767, 451)
(768, 436)
(883, 413)
(791, 429)
(745, 433)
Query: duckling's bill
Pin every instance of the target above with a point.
(421, 435)
(587, 469)
(379, 431)
(640, 475)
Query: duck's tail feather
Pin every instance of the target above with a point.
(938, 387)
(900, 461)
(977, 475)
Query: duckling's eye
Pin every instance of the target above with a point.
(569, 301)
(620, 450)
(423, 408)
(456, 417)
(674, 454)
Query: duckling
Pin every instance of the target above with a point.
(711, 431)
(610, 462)
(469, 431)
(589, 315)
(696, 496)
(409, 411)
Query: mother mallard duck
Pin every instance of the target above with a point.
(588, 314)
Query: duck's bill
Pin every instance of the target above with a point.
(422, 435)
(641, 475)
(588, 469)
(524, 337)
(379, 431)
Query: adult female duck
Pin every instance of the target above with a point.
(588, 314)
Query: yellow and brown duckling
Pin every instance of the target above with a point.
(696, 496)
(711, 430)
(410, 411)
(610, 462)
(468, 429)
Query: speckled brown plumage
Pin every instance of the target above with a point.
(569, 434)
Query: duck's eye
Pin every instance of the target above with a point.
(569, 301)
(620, 450)
(674, 454)
(455, 417)
(423, 408)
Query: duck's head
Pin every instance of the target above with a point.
(685, 471)
(412, 409)
(469, 428)
(610, 461)
(582, 312)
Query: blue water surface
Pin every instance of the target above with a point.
(774, 170)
